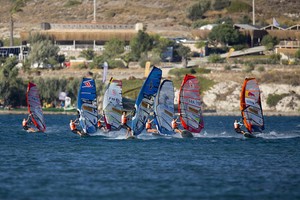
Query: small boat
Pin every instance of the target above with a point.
(250, 106)
(35, 108)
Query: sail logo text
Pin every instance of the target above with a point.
(87, 84)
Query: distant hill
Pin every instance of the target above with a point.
(156, 14)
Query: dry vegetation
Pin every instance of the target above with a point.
(158, 15)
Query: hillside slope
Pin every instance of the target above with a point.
(155, 14)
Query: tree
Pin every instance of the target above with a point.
(16, 7)
(184, 52)
(197, 10)
(225, 34)
(88, 54)
(161, 44)
(219, 4)
(113, 48)
(200, 44)
(269, 41)
(141, 43)
(43, 52)
(245, 20)
(12, 89)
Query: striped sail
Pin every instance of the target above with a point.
(112, 104)
(34, 107)
(164, 107)
(189, 105)
(250, 106)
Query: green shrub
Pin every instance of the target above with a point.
(245, 20)
(261, 69)
(202, 70)
(198, 23)
(239, 47)
(239, 6)
(110, 14)
(275, 57)
(285, 62)
(269, 41)
(183, 71)
(197, 10)
(116, 64)
(219, 4)
(72, 3)
(215, 58)
(249, 67)
(227, 67)
(273, 99)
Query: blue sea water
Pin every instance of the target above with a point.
(217, 164)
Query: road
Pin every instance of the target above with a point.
(254, 50)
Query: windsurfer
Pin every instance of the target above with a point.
(237, 127)
(73, 127)
(26, 122)
(124, 123)
(149, 128)
(175, 126)
(101, 125)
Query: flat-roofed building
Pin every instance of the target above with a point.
(72, 38)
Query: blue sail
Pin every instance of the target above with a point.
(87, 106)
(164, 107)
(144, 102)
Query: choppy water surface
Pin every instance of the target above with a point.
(217, 164)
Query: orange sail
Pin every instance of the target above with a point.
(250, 106)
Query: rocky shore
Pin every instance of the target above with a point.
(224, 97)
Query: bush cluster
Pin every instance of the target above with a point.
(273, 99)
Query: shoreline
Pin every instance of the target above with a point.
(217, 113)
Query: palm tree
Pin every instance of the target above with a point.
(16, 7)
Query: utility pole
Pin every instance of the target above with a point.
(94, 11)
(253, 12)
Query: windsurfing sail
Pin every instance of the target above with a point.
(105, 69)
(112, 104)
(250, 106)
(164, 107)
(87, 106)
(144, 102)
(189, 105)
(34, 107)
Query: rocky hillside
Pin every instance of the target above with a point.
(225, 97)
(155, 14)
(279, 85)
